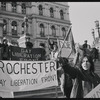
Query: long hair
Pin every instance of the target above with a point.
(90, 61)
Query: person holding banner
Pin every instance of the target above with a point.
(54, 52)
(42, 46)
(85, 79)
(4, 49)
(28, 44)
(5, 56)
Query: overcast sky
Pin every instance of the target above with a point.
(83, 16)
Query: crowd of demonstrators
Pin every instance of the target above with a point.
(82, 67)
(82, 70)
(64, 80)
(85, 79)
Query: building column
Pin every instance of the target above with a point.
(46, 29)
(67, 14)
(38, 28)
(9, 27)
(57, 31)
(19, 28)
(46, 10)
(1, 27)
(29, 28)
(9, 6)
(57, 15)
(0, 4)
(60, 32)
(34, 28)
(19, 10)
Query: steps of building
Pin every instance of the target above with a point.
(51, 92)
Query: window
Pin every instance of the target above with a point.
(23, 8)
(40, 10)
(51, 12)
(61, 14)
(53, 30)
(3, 6)
(23, 28)
(14, 5)
(42, 30)
(5, 27)
(63, 32)
(14, 28)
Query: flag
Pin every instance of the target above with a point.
(68, 45)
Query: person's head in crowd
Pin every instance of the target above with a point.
(55, 47)
(51, 41)
(42, 45)
(87, 63)
(28, 39)
(85, 41)
(5, 41)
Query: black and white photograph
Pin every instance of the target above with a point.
(49, 49)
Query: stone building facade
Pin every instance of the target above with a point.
(45, 19)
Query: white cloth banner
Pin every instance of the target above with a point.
(95, 93)
(27, 75)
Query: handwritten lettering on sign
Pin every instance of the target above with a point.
(27, 75)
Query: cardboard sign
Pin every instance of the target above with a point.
(95, 93)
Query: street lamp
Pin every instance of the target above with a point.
(97, 27)
(93, 35)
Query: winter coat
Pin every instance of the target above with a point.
(81, 77)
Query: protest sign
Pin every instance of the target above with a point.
(24, 54)
(95, 93)
(27, 75)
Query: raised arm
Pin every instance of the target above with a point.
(73, 71)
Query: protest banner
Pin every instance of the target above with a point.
(95, 93)
(24, 54)
(27, 75)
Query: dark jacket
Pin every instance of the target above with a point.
(29, 45)
(80, 77)
(4, 51)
